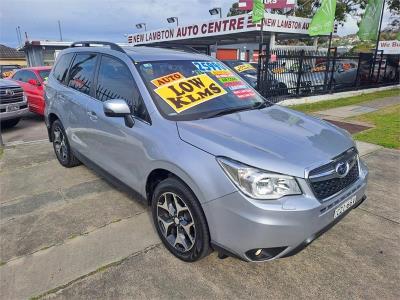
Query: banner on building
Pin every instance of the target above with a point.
(389, 47)
(269, 4)
(236, 24)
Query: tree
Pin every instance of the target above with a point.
(394, 6)
(235, 11)
(344, 8)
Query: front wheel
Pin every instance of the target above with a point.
(180, 221)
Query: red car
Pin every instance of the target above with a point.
(31, 80)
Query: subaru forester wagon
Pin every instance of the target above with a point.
(221, 167)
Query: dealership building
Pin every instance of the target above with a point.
(233, 37)
(228, 38)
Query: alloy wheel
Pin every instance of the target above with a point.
(175, 221)
(59, 144)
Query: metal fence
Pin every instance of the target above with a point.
(294, 73)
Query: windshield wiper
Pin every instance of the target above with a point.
(227, 111)
(260, 105)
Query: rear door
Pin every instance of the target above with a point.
(74, 100)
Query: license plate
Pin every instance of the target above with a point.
(10, 108)
(345, 206)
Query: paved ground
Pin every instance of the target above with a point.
(356, 110)
(67, 234)
(32, 123)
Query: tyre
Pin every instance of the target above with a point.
(180, 221)
(61, 146)
(10, 123)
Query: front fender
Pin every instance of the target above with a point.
(199, 170)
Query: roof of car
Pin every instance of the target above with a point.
(147, 53)
(37, 68)
(143, 53)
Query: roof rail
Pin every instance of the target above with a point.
(173, 46)
(113, 46)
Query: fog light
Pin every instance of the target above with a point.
(264, 253)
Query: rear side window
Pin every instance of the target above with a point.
(61, 69)
(81, 72)
(115, 81)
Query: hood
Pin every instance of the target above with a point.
(8, 83)
(275, 139)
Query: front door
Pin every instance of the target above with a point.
(115, 147)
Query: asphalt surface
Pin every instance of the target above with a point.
(30, 128)
(68, 234)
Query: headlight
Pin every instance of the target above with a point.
(24, 98)
(259, 184)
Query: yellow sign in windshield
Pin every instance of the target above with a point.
(189, 92)
(167, 79)
(244, 67)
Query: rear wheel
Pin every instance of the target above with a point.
(10, 123)
(61, 146)
(180, 221)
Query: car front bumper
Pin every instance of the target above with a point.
(240, 226)
(22, 110)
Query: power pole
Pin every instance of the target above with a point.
(19, 34)
(59, 30)
(18, 39)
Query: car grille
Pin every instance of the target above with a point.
(17, 95)
(324, 180)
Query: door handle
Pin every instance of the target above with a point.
(92, 115)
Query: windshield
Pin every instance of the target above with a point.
(44, 74)
(190, 90)
(7, 71)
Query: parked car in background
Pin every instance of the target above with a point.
(339, 65)
(248, 71)
(8, 70)
(13, 103)
(31, 80)
(244, 70)
(221, 167)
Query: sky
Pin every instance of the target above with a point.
(104, 19)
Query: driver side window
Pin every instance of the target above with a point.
(115, 81)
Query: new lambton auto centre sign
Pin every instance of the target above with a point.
(236, 24)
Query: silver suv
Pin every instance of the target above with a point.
(221, 167)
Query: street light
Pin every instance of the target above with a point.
(172, 20)
(141, 25)
(216, 11)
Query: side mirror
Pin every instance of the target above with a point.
(34, 82)
(119, 108)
